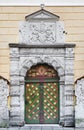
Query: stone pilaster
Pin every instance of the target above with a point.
(69, 87)
(15, 89)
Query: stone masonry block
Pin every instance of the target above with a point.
(15, 100)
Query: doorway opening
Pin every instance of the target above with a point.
(42, 95)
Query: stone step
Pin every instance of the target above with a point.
(45, 128)
(41, 128)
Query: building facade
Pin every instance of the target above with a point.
(42, 73)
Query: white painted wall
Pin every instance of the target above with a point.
(38, 2)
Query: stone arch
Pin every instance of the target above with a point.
(34, 60)
(29, 62)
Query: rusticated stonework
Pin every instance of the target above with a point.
(80, 92)
(22, 59)
(4, 113)
(41, 41)
(79, 109)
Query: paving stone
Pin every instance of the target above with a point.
(68, 128)
(35, 128)
(47, 128)
(14, 128)
(25, 128)
(3, 128)
(79, 129)
(56, 128)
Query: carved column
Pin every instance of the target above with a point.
(15, 89)
(69, 86)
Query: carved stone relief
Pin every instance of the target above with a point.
(55, 62)
(41, 32)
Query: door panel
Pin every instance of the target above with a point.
(50, 103)
(32, 103)
(41, 103)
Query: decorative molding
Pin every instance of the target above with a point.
(30, 61)
(42, 14)
(60, 46)
(43, 51)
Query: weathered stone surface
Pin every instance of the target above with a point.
(69, 79)
(14, 53)
(79, 108)
(15, 90)
(69, 53)
(41, 32)
(14, 111)
(15, 100)
(14, 80)
(4, 113)
(14, 67)
(43, 51)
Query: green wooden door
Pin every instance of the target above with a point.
(41, 95)
(41, 102)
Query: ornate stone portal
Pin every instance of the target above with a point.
(42, 41)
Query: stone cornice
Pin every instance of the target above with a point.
(69, 45)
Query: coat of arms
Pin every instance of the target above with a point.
(42, 32)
